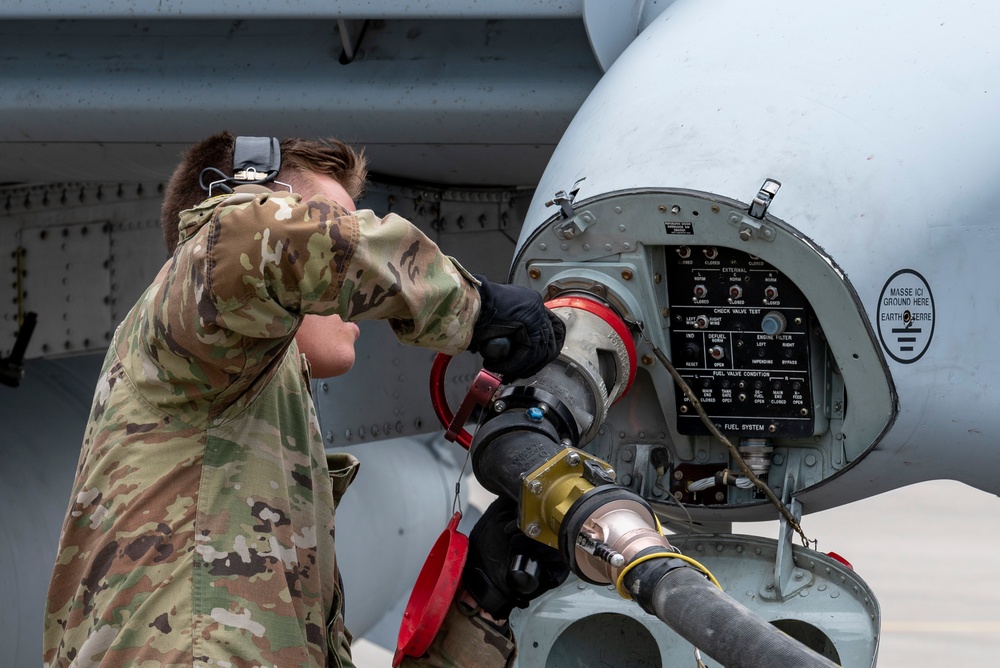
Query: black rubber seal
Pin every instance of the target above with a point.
(525, 396)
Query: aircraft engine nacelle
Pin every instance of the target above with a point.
(794, 204)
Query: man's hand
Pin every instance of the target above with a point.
(506, 569)
(517, 315)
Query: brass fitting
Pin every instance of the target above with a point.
(548, 492)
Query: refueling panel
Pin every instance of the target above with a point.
(739, 332)
(759, 375)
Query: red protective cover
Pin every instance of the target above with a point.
(433, 592)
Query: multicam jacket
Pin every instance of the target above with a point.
(200, 529)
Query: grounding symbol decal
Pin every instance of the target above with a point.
(906, 316)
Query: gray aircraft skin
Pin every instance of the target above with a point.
(795, 204)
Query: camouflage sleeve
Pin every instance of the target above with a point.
(465, 640)
(271, 258)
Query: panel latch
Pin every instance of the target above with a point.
(752, 225)
(573, 224)
(758, 207)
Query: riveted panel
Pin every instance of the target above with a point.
(66, 271)
(479, 227)
(136, 255)
(79, 255)
(10, 277)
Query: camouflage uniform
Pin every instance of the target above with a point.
(466, 640)
(200, 529)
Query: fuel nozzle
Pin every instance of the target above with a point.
(529, 448)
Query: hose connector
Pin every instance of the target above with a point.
(614, 518)
(644, 572)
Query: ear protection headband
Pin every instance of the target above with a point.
(256, 160)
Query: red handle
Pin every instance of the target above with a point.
(480, 393)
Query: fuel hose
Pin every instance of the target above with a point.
(684, 600)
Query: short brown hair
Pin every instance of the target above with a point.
(328, 156)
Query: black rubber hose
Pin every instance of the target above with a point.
(509, 446)
(719, 626)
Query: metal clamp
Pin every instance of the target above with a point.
(575, 226)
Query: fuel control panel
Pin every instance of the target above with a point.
(739, 332)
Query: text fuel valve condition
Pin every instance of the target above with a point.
(739, 332)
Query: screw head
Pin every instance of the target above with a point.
(535, 487)
(573, 459)
(533, 530)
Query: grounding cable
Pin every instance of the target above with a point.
(737, 457)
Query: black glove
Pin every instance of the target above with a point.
(518, 315)
(506, 569)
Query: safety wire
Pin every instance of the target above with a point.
(690, 520)
(456, 504)
(737, 457)
(619, 583)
